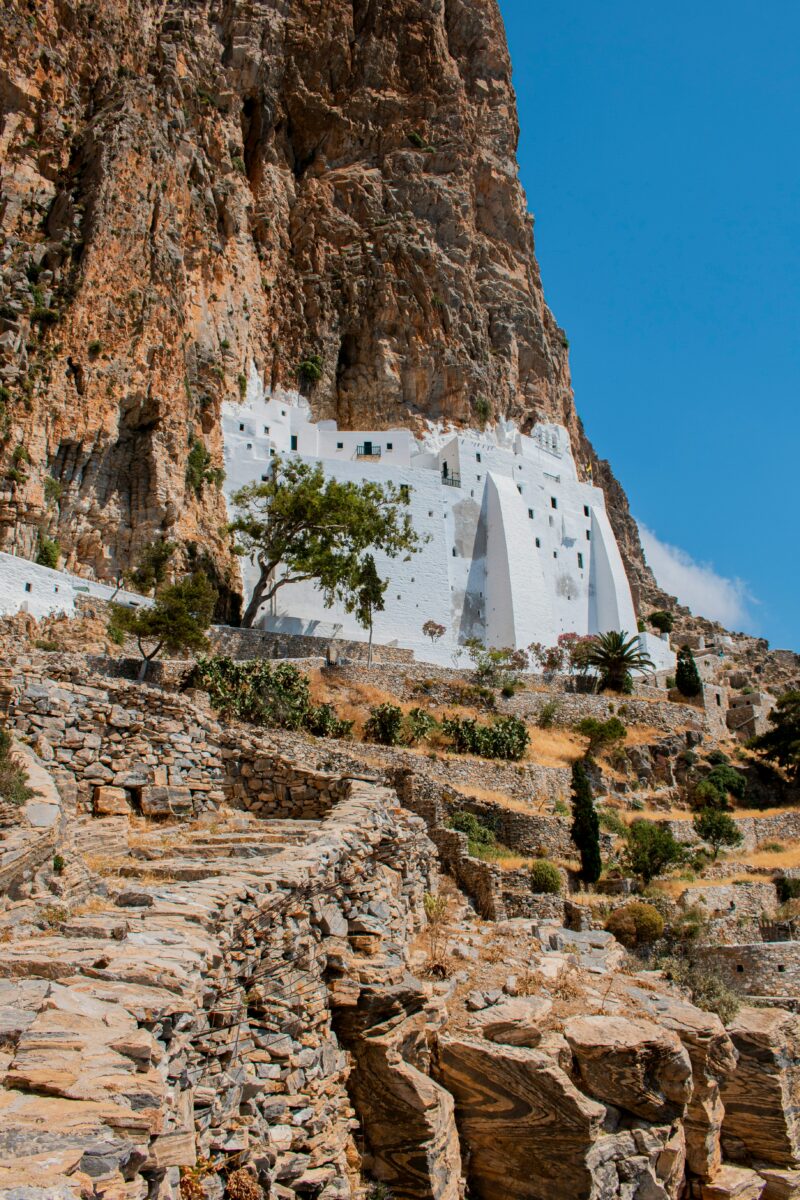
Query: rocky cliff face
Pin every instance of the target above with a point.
(189, 188)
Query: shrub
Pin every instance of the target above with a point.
(53, 489)
(199, 470)
(59, 863)
(264, 694)
(651, 847)
(687, 677)
(309, 369)
(663, 621)
(706, 988)
(547, 714)
(721, 782)
(13, 777)
(483, 409)
(717, 758)
(787, 889)
(601, 734)
(385, 725)
(322, 721)
(636, 924)
(496, 666)
(419, 725)
(94, 347)
(612, 822)
(48, 552)
(481, 840)
(507, 737)
(434, 630)
(545, 878)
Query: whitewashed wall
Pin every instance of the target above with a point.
(40, 591)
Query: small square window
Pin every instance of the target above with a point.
(272, 453)
(430, 512)
(480, 477)
(477, 458)
(283, 412)
(264, 478)
(555, 554)
(249, 445)
(390, 445)
(530, 514)
(538, 543)
(340, 445)
(28, 587)
(241, 429)
(266, 429)
(586, 510)
(553, 502)
(580, 560)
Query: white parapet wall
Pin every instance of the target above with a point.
(27, 587)
(518, 549)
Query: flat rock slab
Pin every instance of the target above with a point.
(515, 1022)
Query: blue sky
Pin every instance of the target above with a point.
(659, 152)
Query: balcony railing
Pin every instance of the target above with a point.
(451, 480)
(368, 450)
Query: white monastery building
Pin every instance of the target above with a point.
(519, 550)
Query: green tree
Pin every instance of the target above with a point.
(651, 847)
(687, 676)
(367, 598)
(781, 744)
(48, 552)
(661, 620)
(614, 656)
(585, 831)
(151, 570)
(316, 527)
(176, 622)
(601, 734)
(717, 828)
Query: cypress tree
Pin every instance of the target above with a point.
(687, 676)
(585, 831)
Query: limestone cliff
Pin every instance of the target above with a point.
(189, 188)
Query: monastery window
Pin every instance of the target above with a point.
(28, 587)
(390, 445)
(266, 429)
(249, 445)
(283, 412)
(586, 510)
(480, 477)
(272, 452)
(580, 560)
(55, 589)
(241, 429)
(430, 512)
(478, 459)
(293, 442)
(530, 514)
(454, 552)
(340, 445)
(555, 554)
(553, 502)
(538, 543)
(588, 535)
(519, 488)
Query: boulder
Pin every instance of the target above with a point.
(515, 1022)
(781, 1185)
(761, 1097)
(634, 1065)
(111, 802)
(713, 1059)
(734, 1183)
(166, 801)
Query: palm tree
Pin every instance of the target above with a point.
(614, 655)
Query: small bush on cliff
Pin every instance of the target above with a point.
(663, 621)
(722, 781)
(481, 839)
(309, 369)
(199, 470)
(13, 777)
(636, 924)
(48, 552)
(687, 676)
(507, 737)
(602, 735)
(545, 878)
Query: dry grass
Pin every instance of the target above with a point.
(779, 859)
(555, 747)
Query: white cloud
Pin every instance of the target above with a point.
(697, 585)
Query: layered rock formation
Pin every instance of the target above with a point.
(189, 188)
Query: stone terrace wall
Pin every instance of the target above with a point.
(759, 968)
(755, 831)
(241, 643)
